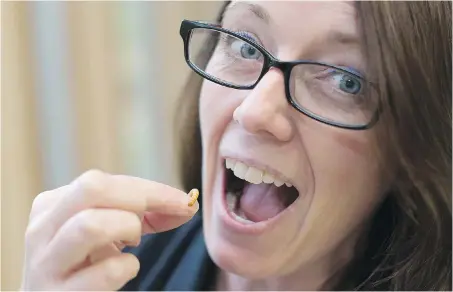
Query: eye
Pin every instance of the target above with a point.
(245, 49)
(346, 82)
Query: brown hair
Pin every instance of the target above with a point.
(408, 45)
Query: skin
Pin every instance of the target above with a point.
(334, 170)
(95, 217)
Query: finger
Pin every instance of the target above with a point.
(95, 189)
(86, 232)
(102, 253)
(107, 251)
(154, 222)
(158, 197)
(45, 200)
(121, 245)
(42, 204)
(110, 274)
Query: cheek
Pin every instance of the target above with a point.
(212, 107)
(357, 146)
(347, 158)
(217, 104)
(216, 107)
(347, 183)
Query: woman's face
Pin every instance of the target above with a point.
(333, 172)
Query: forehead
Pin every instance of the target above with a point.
(299, 8)
(297, 17)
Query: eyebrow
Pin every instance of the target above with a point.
(338, 36)
(255, 9)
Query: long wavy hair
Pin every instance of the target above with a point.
(408, 48)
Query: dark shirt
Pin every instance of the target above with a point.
(174, 260)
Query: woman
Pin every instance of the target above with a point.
(330, 172)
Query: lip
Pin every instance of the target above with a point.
(255, 228)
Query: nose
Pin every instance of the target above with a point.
(266, 109)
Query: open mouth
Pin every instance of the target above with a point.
(253, 195)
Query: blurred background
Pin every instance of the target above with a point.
(85, 85)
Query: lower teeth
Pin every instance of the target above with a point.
(242, 219)
(231, 204)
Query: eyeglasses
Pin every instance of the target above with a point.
(330, 94)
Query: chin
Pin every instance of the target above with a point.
(238, 260)
(247, 255)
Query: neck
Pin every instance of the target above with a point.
(310, 279)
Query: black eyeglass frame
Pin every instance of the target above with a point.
(269, 61)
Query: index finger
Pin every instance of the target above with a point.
(95, 189)
(158, 197)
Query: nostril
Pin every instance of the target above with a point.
(252, 118)
(277, 125)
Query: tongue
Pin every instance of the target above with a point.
(260, 202)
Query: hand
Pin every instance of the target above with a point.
(76, 233)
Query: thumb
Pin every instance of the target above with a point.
(154, 222)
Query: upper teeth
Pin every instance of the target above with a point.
(252, 174)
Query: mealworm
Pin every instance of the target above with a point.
(193, 194)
